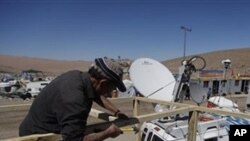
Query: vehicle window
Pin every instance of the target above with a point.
(145, 130)
(211, 139)
(143, 136)
(156, 138)
(149, 136)
(44, 84)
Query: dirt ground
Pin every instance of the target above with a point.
(10, 120)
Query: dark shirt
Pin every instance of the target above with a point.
(62, 107)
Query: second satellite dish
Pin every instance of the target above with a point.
(152, 79)
(197, 93)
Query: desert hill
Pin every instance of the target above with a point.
(239, 58)
(15, 64)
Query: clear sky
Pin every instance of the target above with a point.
(86, 29)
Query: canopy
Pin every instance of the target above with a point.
(31, 71)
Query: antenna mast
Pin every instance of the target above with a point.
(185, 29)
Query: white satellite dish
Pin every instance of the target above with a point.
(152, 79)
(197, 92)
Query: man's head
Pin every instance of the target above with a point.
(109, 74)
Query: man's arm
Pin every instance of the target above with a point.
(113, 131)
(105, 103)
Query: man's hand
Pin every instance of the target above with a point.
(114, 131)
(121, 115)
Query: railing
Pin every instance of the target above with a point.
(136, 120)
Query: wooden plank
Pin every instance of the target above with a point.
(136, 109)
(162, 102)
(192, 125)
(25, 107)
(101, 115)
(222, 112)
(148, 117)
(37, 137)
(122, 99)
(89, 129)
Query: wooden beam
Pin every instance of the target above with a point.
(38, 137)
(122, 99)
(89, 129)
(222, 112)
(148, 117)
(144, 99)
(192, 125)
(136, 109)
(101, 115)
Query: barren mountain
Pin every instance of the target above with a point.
(15, 64)
(239, 58)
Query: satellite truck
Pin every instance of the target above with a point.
(154, 80)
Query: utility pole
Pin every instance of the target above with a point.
(185, 29)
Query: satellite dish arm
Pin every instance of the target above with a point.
(179, 84)
(185, 72)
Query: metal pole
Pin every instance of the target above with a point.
(185, 29)
(184, 52)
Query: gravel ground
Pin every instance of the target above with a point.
(10, 120)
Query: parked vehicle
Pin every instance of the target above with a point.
(169, 130)
(34, 88)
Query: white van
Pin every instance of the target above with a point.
(159, 130)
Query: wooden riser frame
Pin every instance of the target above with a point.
(136, 120)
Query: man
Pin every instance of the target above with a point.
(209, 93)
(63, 106)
